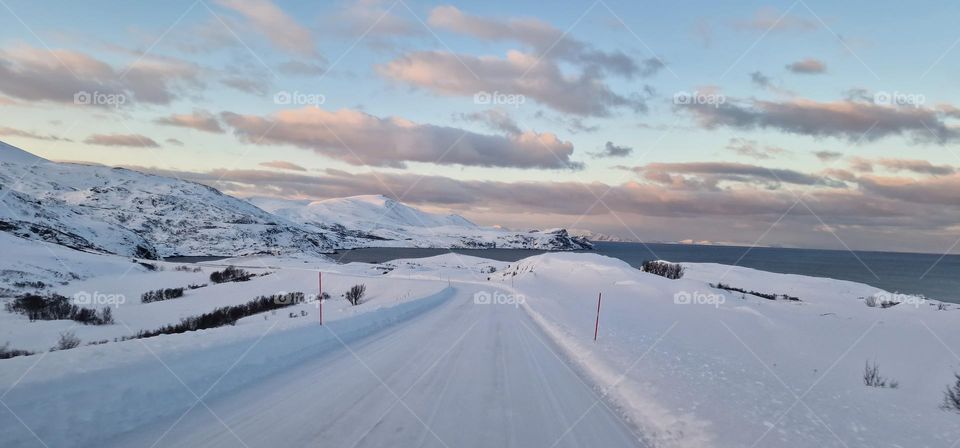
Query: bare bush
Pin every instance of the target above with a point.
(951, 397)
(6, 352)
(230, 274)
(872, 378)
(161, 294)
(356, 293)
(67, 341)
(672, 271)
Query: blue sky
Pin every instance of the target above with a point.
(831, 124)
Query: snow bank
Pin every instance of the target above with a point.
(741, 370)
(171, 381)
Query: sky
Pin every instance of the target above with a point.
(800, 124)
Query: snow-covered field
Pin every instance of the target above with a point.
(462, 351)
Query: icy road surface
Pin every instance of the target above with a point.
(461, 375)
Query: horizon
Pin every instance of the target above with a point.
(783, 124)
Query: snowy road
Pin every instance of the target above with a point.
(461, 375)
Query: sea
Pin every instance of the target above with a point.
(935, 276)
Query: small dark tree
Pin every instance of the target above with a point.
(356, 293)
(951, 397)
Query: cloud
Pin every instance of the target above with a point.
(853, 120)
(251, 85)
(280, 164)
(495, 119)
(174, 142)
(899, 165)
(544, 39)
(362, 139)
(517, 74)
(828, 156)
(279, 28)
(611, 150)
(809, 66)
(767, 19)
(36, 74)
(13, 132)
(752, 149)
(940, 190)
(707, 175)
(300, 68)
(759, 79)
(200, 120)
(552, 67)
(132, 140)
(372, 21)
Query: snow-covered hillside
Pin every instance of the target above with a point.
(125, 212)
(384, 222)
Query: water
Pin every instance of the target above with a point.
(927, 274)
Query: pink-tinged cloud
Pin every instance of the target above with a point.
(37, 74)
(853, 120)
(282, 165)
(276, 25)
(131, 140)
(543, 39)
(808, 66)
(362, 139)
(520, 74)
(200, 120)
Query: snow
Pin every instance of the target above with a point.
(736, 371)
(746, 371)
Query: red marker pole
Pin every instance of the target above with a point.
(596, 326)
(320, 297)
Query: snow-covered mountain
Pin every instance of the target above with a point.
(376, 220)
(590, 235)
(125, 212)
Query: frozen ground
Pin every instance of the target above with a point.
(457, 351)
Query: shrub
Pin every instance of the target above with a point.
(67, 341)
(161, 294)
(356, 293)
(669, 270)
(872, 378)
(185, 268)
(764, 295)
(230, 274)
(55, 307)
(106, 316)
(6, 352)
(227, 315)
(951, 397)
